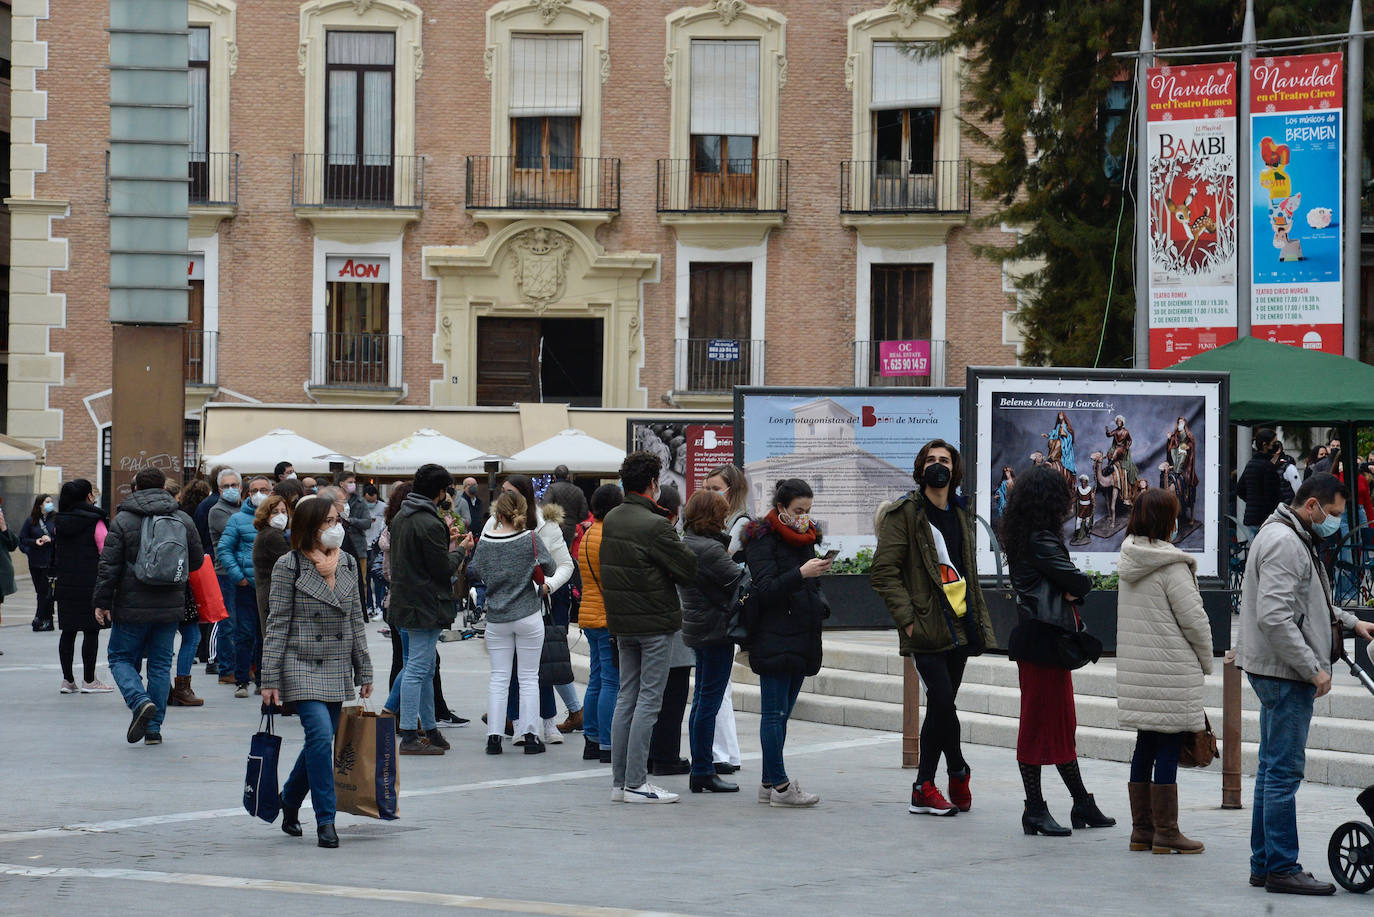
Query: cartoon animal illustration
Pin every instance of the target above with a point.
(1283, 203)
(1193, 227)
(1111, 479)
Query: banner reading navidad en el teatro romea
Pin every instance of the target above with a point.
(1191, 117)
(1295, 125)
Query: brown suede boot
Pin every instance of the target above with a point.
(182, 695)
(1164, 809)
(572, 723)
(1142, 822)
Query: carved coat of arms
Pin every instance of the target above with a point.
(541, 264)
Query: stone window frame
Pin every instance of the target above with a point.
(550, 17)
(404, 19)
(725, 19)
(898, 21)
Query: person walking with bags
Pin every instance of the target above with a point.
(925, 568)
(36, 543)
(707, 604)
(1048, 590)
(425, 555)
(603, 677)
(784, 626)
(1284, 645)
(80, 535)
(1163, 651)
(189, 630)
(314, 655)
(505, 559)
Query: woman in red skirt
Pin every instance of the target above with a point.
(1048, 590)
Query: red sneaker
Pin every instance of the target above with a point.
(959, 792)
(926, 800)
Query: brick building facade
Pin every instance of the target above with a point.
(625, 205)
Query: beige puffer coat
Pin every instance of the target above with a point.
(1164, 642)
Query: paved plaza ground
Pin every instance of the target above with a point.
(91, 825)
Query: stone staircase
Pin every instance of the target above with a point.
(861, 686)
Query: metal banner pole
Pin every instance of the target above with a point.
(1244, 263)
(1353, 125)
(1142, 196)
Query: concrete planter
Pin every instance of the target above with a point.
(1099, 614)
(853, 603)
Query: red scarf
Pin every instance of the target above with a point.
(790, 535)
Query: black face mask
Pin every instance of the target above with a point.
(445, 503)
(936, 476)
(472, 491)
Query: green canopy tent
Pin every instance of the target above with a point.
(1276, 383)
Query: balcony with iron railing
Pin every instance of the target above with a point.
(357, 182)
(544, 183)
(348, 366)
(906, 187)
(899, 363)
(731, 186)
(214, 179)
(714, 366)
(200, 358)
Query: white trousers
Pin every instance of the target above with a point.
(725, 748)
(522, 640)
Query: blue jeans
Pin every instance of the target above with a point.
(224, 630)
(1285, 716)
(417, 679)
(377, 584)
(129, 645)
(247, 640)
(603, 685)
(393, 699)
(713, 674)
(777, 697)
(314, 770)
(190, 642)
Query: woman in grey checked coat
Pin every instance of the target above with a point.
(314, 653)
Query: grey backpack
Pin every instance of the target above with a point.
(163, 556)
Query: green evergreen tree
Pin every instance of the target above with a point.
(1039, 72)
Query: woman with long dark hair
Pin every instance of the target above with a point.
(36, 542)
(1049, 589)
(80, 536)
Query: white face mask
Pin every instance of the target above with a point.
(278, 522)
(332, 537)
(291, 476)
(344, 511)
(258, 499)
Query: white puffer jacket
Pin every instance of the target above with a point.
(1163, 639)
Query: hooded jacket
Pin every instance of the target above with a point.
(1285, 603)
(234, 552)
(1163, 638)
(422, 567)
(75, 561)
(116, 587)
(642, 560)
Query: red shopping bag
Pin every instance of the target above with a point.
(205, 588)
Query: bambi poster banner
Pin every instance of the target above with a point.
(1296, 124)
(1192, 160)
(1111, 436)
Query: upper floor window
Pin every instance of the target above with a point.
(545, 117)
(724, 122)
(198, 88)
(360, 76)
(906, 109)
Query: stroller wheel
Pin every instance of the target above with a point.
(1350, 854)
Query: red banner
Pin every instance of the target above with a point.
(708, 446)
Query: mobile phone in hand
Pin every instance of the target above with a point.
(831, 554)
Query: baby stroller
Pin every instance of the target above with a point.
(1350, 853)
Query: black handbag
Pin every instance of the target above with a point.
(738, 628)
(1049, 634)
(260, 794)
(555, 661)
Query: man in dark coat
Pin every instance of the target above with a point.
(472, 509)
(642, 562)
(145, 617)
(571, 498)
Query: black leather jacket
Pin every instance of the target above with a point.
(1046, 562)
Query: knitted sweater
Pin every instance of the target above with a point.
(505, 563)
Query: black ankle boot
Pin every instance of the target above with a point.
(1086, 814)
(327, 835)
(1036, 819)
(591, 749)
(712, 784)
(291, 821)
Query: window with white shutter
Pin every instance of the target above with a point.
(905, 108)
(545, 117)
(724, 122)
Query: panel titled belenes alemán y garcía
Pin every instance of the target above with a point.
(1191, 139)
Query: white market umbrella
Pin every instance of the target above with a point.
(263, 454)
(423, 447)
(580, 452)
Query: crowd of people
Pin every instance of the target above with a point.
(659, 589)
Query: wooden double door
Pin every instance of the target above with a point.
(534, 359)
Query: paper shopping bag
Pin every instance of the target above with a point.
(260, 795)
(205, 588)
(365, 781)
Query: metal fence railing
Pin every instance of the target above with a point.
(200, 356)
(214, 179)
(355, 360)
(921, 363)
(357, 181)
(717, 365)
(902, 186)
(545, 183)
(732, 186)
